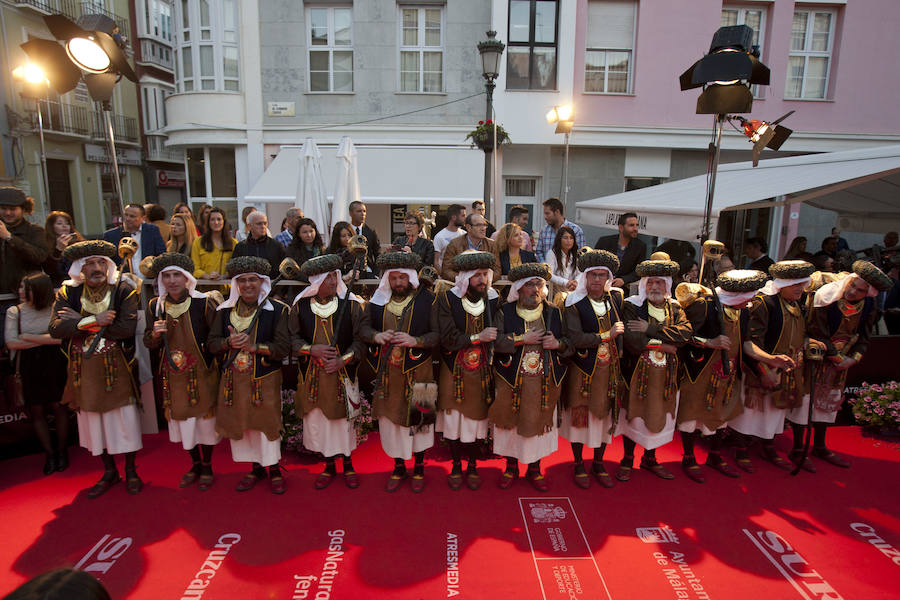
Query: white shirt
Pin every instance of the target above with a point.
(561, 275)
(136, 259)
(442, 239)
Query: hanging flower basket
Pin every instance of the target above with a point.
(483, 136)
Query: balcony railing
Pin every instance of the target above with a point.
(61, 117)
(157, 54)
(157, 151)
(74, 9)
(125, 128)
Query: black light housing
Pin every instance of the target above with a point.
(764, 134)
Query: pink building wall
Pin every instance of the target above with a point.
(863, 84)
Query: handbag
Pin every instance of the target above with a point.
(15, 393)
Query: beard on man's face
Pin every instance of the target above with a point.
(402, 291)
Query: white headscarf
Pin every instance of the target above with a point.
(581, 291)
(518, 285)
(642, 290)
(191, 286)
(774, 285)
(834, 291)
(264, 290)
(462, 283)
(316, 280)
(77, 278)
(735, 299)
(383, 293)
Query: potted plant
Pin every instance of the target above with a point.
(877, 407)
(483, 135)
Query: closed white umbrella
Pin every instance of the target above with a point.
(311, 196)
(346, 189)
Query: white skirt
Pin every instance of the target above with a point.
(256, 447)
(526, 449)
(193, 431)
(456, 426)
(328, 436)
(397, 443)
(800, 414)
(691, 426)
(117, 431)
(637, 431)
(764, 423)
(595, 434)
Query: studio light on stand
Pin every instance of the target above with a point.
(764, 134)
(93, 50)
(562, 116)
(34, 86)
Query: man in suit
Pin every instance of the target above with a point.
(150, 242)
(358, 221)
(755, 248)
(627, 247)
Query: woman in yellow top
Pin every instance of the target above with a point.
(212, 250)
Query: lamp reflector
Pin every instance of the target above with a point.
(87, 54)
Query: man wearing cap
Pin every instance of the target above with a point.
(709, 397)
(23, 248)
(591, 392)
(251, 331)
(655, 326)
(401, 341)
(773, 350)
(100, 387)
(328, 391)
(842, 317)
(464, 317)
(179, 320)
(529, 375)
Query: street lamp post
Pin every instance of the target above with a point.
(491, 49)
(34, 86)
(562, 116)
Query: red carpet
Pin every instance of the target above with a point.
(834, 534)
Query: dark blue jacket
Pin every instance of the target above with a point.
(151, 244)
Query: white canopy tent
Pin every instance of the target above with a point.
(862, 186)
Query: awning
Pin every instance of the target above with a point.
(387, 175)
(860, 185)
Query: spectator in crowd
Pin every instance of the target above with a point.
(509, 248)
(358, 221)
(156, 215)
(555, 216)
(203, 217)
(756, 248)
(289, 226)
(797, 247)
(23, 246)
(822, 262)
(844, 260)
(829, 247)
(61, 583)
(306, 242)
(59, 232)
(212, 251)
(892, 300)
(680, 251)
(183, 209)
(473, 240)
(182, 233)
(150, 242)
(456, 219)
(692, 274)
(891, 239)
(478, 208)
(562, 261)
(340, 245)
(258, 243)
(41, 365)
(244, 231)
(627, 247)
(841, 242)
(413, 241)
(518, 214)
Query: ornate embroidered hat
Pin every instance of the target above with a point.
(398, 260)
(598, 258)
(170, 259)
(530, 271)
(791, 269)
(324, 263)
(87, 248)
(657, 268)
(741, 280)
(472, 260)
(873, 275)
(247, 264)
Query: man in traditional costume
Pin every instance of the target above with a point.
(326, 335)
(591, 392)
(400, 329)
(842, 317)
(528, 375)
(179, 320)
(773, 351)
(709, 397)
(464, 317)
(100, 387)
(655, 327)
(251, 331)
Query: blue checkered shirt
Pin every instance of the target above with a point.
(548, 236)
